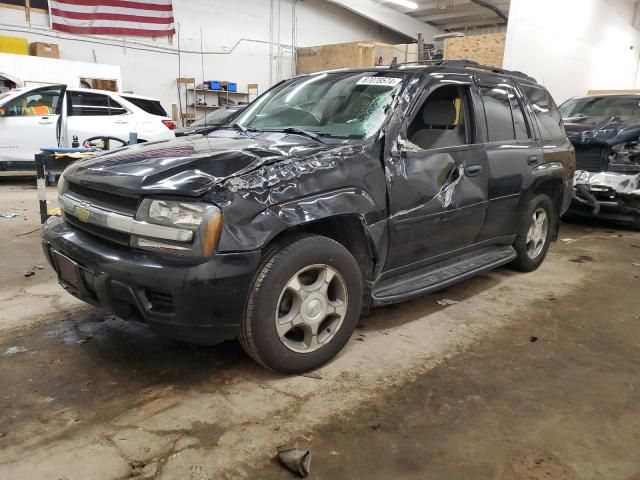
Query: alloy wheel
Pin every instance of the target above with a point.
(311, 308)
(537, 233)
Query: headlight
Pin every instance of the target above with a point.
(581, 176)
(204, 219)
(175, 214)
(62, 184)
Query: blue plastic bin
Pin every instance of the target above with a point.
(214, 84)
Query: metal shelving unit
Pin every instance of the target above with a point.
(236, 96)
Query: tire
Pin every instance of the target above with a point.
(277, 304)
(529, 258)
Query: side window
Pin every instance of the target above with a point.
(37, 103)
(545, 111)
(115, 108)
(87, 104)
(497, 108)
(442, 120)
(519, 123)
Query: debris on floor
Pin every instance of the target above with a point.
(582, 259)
(32, 270)
(15, 350)
(315, 375)
(446, 301)
(10, 215)
(568, 240)
(295, 459)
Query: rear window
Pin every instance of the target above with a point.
(150, 106)
(545, 111)
(497, 109)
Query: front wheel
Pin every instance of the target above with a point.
(303, 306)
(534, 234)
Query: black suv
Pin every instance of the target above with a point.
(332, 193)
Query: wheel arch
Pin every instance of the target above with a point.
(553, 187)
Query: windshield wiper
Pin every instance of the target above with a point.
(241, 128)
(305, 133)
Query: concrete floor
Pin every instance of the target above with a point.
(529, 376)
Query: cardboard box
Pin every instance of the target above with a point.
(41, 49)
(15, 45)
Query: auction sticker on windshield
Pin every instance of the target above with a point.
(379, 81)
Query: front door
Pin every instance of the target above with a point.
(437, 178)
(28, 123)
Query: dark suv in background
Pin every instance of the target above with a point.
(331, 193)
(605, 130)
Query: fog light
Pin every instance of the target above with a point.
(160, 246)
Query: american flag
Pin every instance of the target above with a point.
(147, 18)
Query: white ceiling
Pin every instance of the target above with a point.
(454, 15)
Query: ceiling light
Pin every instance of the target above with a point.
(404, 3)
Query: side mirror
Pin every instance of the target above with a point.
(3, 112)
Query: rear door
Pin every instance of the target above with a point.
(513, 151)
(92, 114)
(28, 123)
(437, 180)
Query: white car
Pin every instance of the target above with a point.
(48, 116)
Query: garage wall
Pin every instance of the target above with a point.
(573, 46)
(236, 38)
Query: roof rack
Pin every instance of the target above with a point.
(464, 64)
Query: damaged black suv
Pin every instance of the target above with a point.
(330, 194)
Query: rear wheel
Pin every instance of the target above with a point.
(303, 306)
(534, 234)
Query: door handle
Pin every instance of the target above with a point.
(533, 160)
(122, 122)
(473, 170)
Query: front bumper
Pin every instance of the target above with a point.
(604, 202)
(195, 302)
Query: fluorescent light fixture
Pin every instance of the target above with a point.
(404, 3)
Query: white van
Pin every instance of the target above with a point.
(50, 116)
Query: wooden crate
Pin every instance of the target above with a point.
(612, 92)
(487, 49)
(343, 55)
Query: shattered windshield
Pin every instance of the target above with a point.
(342, 104)
(601, 107)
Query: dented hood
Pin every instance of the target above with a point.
(187, 166)
(604, 130)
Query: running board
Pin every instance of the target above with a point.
(440, 275)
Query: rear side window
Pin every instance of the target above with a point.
(545, 111)
(88, 104)
(85, 104)
(497, 107)
(115, 108)
(519, 123)
(150, 106)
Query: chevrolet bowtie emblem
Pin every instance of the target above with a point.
(82, 213)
